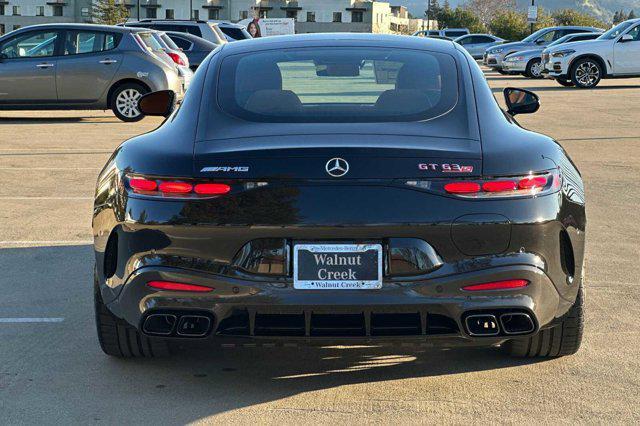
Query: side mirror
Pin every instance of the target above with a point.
(520, 101)
(626, 38)
(157, 103)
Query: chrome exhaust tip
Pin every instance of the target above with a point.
(482, 325)
(517, 323)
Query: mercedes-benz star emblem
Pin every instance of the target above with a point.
(337, 167)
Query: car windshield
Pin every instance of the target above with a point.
(533, 37)
(616, 31)
(561, 40)
(338, 85)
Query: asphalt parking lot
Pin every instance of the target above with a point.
(52, 369)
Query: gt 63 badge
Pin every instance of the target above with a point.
(446, 168)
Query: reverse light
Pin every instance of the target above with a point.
(174, 286)
(497, 285)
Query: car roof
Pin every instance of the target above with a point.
(111, 28)
(192, 38)
(342, 39)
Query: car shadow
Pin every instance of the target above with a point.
(58, 120)
(196, 382)
(562, 88)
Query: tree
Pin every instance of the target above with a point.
(510, 25)
(109, 12)
(573, 17)
(632, 15)
(616, 18)
(459, 18)
(485, 10)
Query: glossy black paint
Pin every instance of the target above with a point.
(229, 242)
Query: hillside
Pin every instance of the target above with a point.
(602, 9)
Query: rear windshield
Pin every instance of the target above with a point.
(150, 41)
(338, 85)
(235, 33)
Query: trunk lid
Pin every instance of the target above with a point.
(311, 157)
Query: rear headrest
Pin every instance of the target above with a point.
(274, 102)
(419, 76)
(253, 75)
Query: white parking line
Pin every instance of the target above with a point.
(46, 198)
(50, 168)
(29, 320)
(45, 242)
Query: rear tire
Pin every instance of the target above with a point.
(561, 340)
(119, 339)
(534, 69)
(124, 102)
(586, 73)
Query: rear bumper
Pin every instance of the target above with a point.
(421, 311)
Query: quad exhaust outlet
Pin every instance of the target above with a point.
(497, 323)
(177, 324)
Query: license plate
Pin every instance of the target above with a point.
(337, 266)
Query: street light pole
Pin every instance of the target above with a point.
(191, 9)
(138, 10)
(533, 3)
(428, 15)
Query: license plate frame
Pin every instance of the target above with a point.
(342, 251)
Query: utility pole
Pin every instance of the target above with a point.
(533, 3)
(138, 10)
(191, 10)
(428, 16)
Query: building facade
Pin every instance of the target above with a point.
(20, 13)
(311, 15)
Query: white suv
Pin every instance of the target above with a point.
(614, 54)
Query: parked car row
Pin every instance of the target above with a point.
(84, 66)
(572, 56)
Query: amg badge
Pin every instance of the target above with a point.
(241, 169)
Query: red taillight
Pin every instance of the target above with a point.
(499, 186)
(211, 188)
(176, 58)
(497, 285)
(532, 182)
(170, 285)
(139, 184)
(462, 187)
(175, 187)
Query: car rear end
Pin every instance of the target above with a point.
(163, 67)
(311, 224)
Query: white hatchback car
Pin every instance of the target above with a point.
(615, 54)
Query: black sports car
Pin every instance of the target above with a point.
(340, 189)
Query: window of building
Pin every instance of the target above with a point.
(356, 16)
(39, 10)
(16, 12)
(293, 14)
(196, 14)
(151, 13)
(57, 10)
(337, 16)
(2, 26)
(244, 14)
(214, 14)
(311, 17)
(263, 13)
(84, 11)
(168, 14)
(17, 27)
(1, 10)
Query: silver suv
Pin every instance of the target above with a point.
(82, 66)
(494, 56)
(209, 31)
